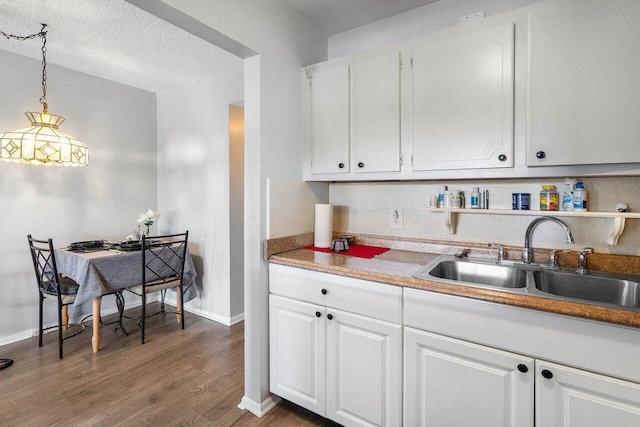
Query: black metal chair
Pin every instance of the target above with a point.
(52, 284)
(163, 259)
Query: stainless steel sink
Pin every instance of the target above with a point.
(605, 289)
(478, 272)
(595, 287)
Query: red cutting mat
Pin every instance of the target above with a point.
(360, 251)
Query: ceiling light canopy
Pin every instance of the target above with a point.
(42, 143)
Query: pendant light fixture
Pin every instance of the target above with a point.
(42, 143)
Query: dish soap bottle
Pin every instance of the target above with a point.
(580, 197)
(567, 196)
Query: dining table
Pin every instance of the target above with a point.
(107, 269)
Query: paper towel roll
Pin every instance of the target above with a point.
(323, 229)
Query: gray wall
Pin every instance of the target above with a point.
(193, 181)
(102, 200)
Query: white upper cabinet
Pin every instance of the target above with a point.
(463, 101)
(377, 114)
(330, 124)
(583, 84)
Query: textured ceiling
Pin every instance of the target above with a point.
(335, 16)
(114, 40)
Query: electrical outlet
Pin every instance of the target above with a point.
(396, 219)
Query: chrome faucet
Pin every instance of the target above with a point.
(582, 260)
(526, 252)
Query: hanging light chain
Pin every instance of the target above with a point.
(43, 35)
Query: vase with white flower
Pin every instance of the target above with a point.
(148, 218)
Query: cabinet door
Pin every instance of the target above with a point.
(584, 91)
(377, 114)
(463, 101)
(364, 370)
(576, 398)
(297, 336)
(330, 121)
(449, 382)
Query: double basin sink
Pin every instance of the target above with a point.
(606, 289)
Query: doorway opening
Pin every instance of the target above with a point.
(236, 210)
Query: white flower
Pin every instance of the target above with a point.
(148, 217)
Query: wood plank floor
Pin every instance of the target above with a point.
(193, 376)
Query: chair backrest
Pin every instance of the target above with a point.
(163, 258)
(44, 264)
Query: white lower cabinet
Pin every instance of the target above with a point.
(453, 382)
(336, 348)
(297, 336)
(364, 370)
(450, 382)
(342, 365)
(571, 397)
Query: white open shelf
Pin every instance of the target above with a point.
(616, 231)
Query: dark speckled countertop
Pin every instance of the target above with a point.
(396, 267)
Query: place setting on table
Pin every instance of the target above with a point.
(102, 267)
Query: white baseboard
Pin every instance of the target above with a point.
(227, 321)
(9, 339)
(259, 409)
(33, 332)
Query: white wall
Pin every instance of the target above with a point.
(364, 208)
(193, 180)
(292, 206)
(100, 201)
(414, 23)
(285, 42)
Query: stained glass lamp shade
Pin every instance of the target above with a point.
(43, 144)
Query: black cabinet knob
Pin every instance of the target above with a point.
(502, 157)
(523, 368)
(329, 316)
(541, 154)
(547, 374)
(341, 165)
(324, 291)
(318, 314)
(360, 165)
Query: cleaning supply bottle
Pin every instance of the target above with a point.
(580, 197)
(475, 198)
(567, 196)
(441, 191)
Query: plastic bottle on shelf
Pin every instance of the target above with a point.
(475, 198)
(567, 196)
(456, 201)
(447, 199)
(441, 192)
(549, 198)
(580, 197)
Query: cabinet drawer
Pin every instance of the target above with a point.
(358, 296)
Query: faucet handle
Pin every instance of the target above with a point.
(501, 251)
(582, 260)
(463, 253)
(553, 259)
